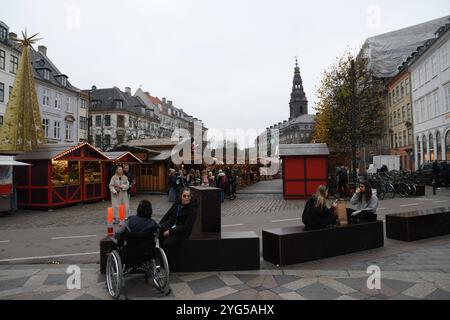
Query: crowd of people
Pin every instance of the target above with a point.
(226, 180)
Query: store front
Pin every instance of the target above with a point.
(61, 175)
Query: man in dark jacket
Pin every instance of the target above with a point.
(178, 222)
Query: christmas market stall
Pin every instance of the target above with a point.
(61, 175)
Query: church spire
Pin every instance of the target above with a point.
(298, 104)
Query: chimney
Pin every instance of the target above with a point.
(42, 50)
(169, 103)
(164, 100)
(12, 36)
(147, 93)
(94, 87)
(128, 91)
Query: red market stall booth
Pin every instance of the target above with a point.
(122, 157)
(304, 169)
(61, 175)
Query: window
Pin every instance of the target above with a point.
(3, 34)
(418, 151)
(447, 97)
(422, 109)
(427, 71)
(421, 76)
(146, 170)
(425, 150)
(120, 139)
(46, 127)
(98, 141)
(69, 104)
(14, 64)
(429, 111)
(58, 99)
(120, 121)
(45, 97)
(404, 138)
(434, 66)
(98, 121)
(400, 139)
(83, 123)
(107, 140)
(2, 59)
(96, 103)
(2, 92)
(1, 120)
(410, 136)
(119, 104)
(437, 110)
(414, 80)
(398, 117)
(409, 112)
(416, 111)
(403, 114)
(396, 141)
(402, 90)
(56, 130)
(431, 140)
(10, 91)
(46, 74)
(69, 127)
(83, 104)
(130, 122)
(407, 86)
(438, 146)
(63, 81)
(108, 120)
(444, 53)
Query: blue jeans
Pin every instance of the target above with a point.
(222, 196)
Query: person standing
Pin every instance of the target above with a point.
(119, 186)
(172, 185)
(343, 182)
(131, 181)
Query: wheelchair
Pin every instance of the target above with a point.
(137, 253)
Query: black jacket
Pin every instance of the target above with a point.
(137, 224)
(185, 220)
(317, 217)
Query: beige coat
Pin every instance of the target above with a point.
(118, 187)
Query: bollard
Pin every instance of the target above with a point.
(434, 187)
(110, 218)
(121, 213)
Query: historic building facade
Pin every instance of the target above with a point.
(401, 119)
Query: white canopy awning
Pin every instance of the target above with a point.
(11, 161)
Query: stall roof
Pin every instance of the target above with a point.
(56, 151)
(164, 155)
(11, 161)
(117, 155)
(317, 149)
(152, 143)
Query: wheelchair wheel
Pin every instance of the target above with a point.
(161, 271)
(114, 274)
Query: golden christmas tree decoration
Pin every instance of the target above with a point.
(22, 127)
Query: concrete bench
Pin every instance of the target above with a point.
(287, 246)
(229, 251)
(416, 225)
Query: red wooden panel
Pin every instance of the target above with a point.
(294, 168)
(316, 168)
(295, 188)
(311, 186)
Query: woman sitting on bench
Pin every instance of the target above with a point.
(317, 215)
(366, 202)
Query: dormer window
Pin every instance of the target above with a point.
(64, 81)
(46, 74)
(119, 104)
(3, 34)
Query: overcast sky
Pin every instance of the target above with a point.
(229, 63)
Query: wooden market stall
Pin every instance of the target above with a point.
(304, 169)
(61, 175)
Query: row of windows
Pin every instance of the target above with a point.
(2, 92)
(430, 67)
(57, 100)
(401, 139)
(401, 115)
(13, 62)
(132, 122)
(399, 92)
(435, 151)
(57, 129)
(429, 106)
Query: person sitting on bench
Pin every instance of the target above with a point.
(366, 202)
(316, 214)
(177, 223)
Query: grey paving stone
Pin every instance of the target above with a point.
(355, 283)
(279, 290)
(397, 285)
(87, 297)
(318, 291)
(358, 295)
(438, 295)
(206, 284)
(13, 283)
(282, 280)
(245, 278)
(240, 287)
(56, 279)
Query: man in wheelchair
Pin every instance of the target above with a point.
(136, 250)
